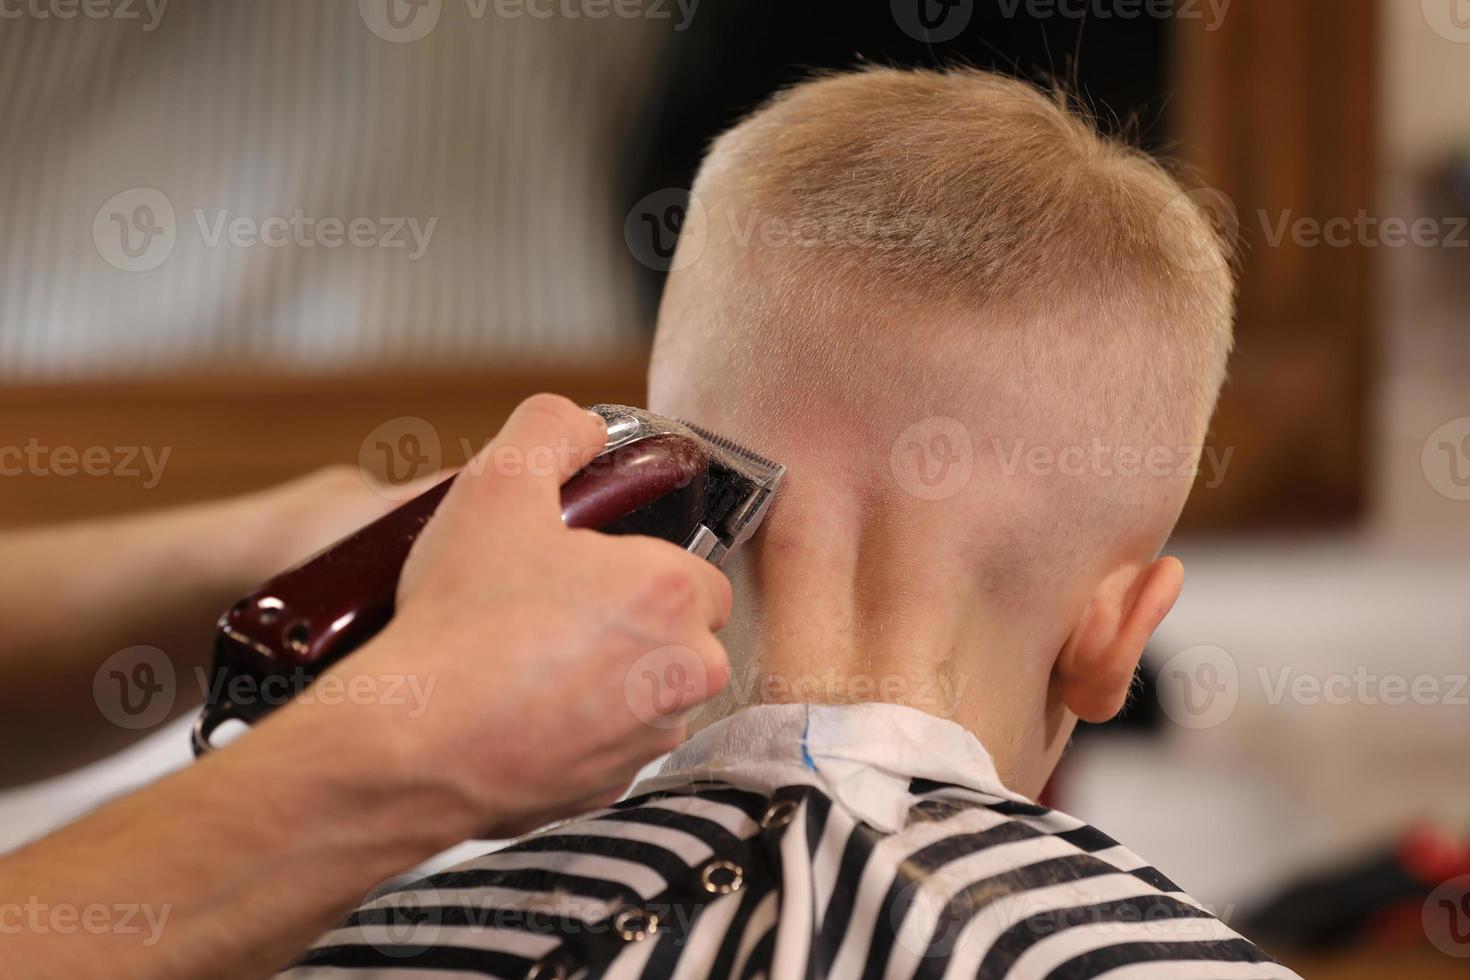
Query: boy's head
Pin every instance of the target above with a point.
(953, 308)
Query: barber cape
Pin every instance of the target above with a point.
(862, 841)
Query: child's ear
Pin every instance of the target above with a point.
(1094, 671)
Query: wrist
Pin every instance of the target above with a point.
(359, 759)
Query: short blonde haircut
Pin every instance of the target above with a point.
(957, 243)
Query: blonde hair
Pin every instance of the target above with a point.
(948, 243)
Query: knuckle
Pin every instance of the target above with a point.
(667, 596)
(674, 584)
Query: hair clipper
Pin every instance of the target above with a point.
(655, 476)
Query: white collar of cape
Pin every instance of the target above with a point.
(861, 755)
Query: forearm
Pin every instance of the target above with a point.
(227, 869)
(72, 596)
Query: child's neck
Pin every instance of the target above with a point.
(823, 616)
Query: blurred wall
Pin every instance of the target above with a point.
(311, 186)
(1425, 346)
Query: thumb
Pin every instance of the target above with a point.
(545, 441)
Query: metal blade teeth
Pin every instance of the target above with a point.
(729, 445)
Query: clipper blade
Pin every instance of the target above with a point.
(743, 484)
(766, 471)
(740, 484)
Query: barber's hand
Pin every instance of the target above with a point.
(525, 634)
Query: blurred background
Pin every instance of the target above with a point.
(244, 240)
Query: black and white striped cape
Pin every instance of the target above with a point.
(738, 878)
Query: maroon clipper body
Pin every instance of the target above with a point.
(655, 476)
